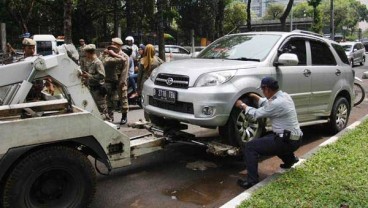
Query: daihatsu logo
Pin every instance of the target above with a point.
(169, 81)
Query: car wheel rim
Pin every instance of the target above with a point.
(247, 127)
(341, 116)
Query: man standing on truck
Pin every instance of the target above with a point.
(93, 73)
(286, 135)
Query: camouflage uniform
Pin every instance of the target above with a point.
(123, 84)
(96, 81)
(111, 65)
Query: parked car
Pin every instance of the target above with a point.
(355, 52)
(202, 91)
(174, 52)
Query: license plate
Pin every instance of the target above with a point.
(165, 95)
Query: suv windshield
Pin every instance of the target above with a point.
(246, 47)
(347, 48)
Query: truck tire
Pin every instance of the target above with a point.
(240, 128)
(339, 115)
(55, 176)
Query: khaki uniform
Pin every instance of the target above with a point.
(112, 65)
(123, 84)
(82, 56)
(96, 82)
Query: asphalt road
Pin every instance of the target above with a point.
(167, 179)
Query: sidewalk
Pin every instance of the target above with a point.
(288, 177)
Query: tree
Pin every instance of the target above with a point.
(21, 11)
(235, 15)
(317, 25)
(302, 10)
(68, 21)
(286, 14)
(161, 40)
(249, 16)
(274, 12)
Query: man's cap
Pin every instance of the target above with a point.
(90, 47)
(269, 82)
(81, 40)
(28, 42)
(114, 48)
(117, 41)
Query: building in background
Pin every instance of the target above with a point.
(259, 7)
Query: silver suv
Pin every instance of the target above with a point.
(355, 52)
(202, 91)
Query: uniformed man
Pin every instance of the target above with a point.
(29, 47)
(82, 45)
(93, 74)
(113, 64)
(286, 136)
(123, 81)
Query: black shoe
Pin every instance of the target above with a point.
(288, 165)
(124, 119)
(245, 184)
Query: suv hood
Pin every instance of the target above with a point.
(195, 67)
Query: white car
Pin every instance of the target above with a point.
(175, 52)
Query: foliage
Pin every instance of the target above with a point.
(235, 15)
(317, 24)
(347, 14)
(274, 12)
(334, 176)
(302, 10)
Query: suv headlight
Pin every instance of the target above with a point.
(154, 74)
(214, 78)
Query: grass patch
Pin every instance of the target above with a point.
(337, 174)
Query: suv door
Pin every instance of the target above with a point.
(296, 80)
(325, 74)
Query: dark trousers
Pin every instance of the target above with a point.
(269, 145)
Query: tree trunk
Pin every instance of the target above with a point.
(161, 40)
(286, 14)
(116, 19)
(129, 17)
(249, 16)
(220, 19)
(68, 21)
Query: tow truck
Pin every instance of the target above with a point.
(47, 146)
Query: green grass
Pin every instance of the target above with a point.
(337, 174)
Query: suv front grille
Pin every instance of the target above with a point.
(178, 106)
(172, 80)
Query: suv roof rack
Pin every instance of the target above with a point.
(307, 32)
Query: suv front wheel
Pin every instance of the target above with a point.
(241, 128)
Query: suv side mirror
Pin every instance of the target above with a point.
(288, 59)
(355, 49)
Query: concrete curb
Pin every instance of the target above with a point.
(236, 201)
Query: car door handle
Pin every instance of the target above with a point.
(307, 72)
(338, 72)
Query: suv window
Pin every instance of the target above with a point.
(341, 52)
(321, 54)
(297, 47)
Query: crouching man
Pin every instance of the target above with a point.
(286, 136)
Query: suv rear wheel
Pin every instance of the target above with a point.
(241, 128)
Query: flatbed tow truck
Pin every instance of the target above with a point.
(46, 146)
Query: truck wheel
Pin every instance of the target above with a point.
(51, 177)
(340, 115)
(240, 128)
